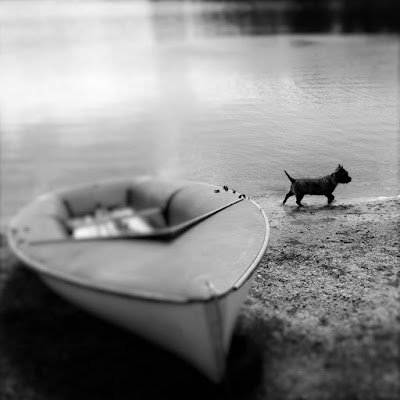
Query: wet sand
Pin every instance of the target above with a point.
(325, 304)
(322, 321)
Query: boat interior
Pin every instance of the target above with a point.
(144, 208)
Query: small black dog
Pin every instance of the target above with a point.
(317, 186)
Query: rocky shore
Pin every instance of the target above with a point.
(322, 321)
(326, 302)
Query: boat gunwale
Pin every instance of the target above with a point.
(253, 266)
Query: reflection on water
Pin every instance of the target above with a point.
(109, 89)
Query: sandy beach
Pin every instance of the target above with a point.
(322, 321)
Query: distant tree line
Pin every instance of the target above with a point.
(346, 16)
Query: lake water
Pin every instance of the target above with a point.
(115, 89)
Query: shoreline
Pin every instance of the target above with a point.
(330, 312)
(272, 201)
(322, 313)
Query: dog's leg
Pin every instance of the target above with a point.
(330, 197)
(289, 193)
(298, 199)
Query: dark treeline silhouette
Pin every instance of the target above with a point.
(302, 16)
(346, 15)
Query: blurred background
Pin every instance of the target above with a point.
(226, 92)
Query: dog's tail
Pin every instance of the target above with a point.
(291, 179)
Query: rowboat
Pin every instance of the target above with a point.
(171, 261)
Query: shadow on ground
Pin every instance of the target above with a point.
(60, 352)
(312, 208)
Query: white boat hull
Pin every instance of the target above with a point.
(197, 332)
